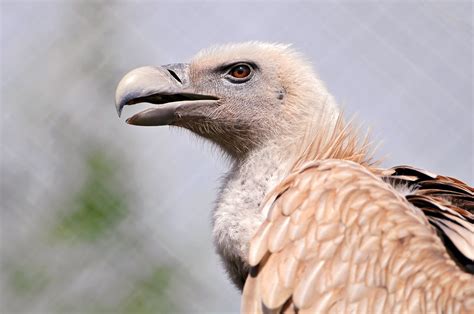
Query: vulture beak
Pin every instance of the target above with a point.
(167, 87)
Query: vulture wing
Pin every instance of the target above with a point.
(337, 238)
(449, 205)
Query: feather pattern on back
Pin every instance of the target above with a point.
(337, 238)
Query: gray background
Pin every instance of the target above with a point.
(404, 68)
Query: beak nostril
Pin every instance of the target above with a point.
(173, 74)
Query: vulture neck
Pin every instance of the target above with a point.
(237, 214)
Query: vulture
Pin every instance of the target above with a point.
(306, 221)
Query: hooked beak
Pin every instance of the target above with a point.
(169, 88)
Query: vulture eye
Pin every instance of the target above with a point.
(240, 73)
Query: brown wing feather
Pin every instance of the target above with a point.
(449, 205)
(339, 239)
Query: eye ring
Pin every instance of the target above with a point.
(240, 73)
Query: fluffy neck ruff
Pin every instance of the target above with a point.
(332, 138)
(237, 214)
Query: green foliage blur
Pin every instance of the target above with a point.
(149, 295)
(93, 215)
(99, 205)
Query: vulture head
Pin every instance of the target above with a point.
(237, 95)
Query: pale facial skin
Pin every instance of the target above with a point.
(236, 96)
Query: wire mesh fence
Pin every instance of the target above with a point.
(97, 216)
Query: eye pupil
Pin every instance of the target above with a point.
(240, 71)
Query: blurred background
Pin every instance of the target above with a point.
(98, 216)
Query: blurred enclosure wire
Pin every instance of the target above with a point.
(100, 217)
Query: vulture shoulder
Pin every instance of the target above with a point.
(339, 237)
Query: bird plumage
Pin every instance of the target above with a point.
(305, 220)
(340, 237)
(447, 203)
(337, 238)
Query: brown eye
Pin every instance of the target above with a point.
(240, 71)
